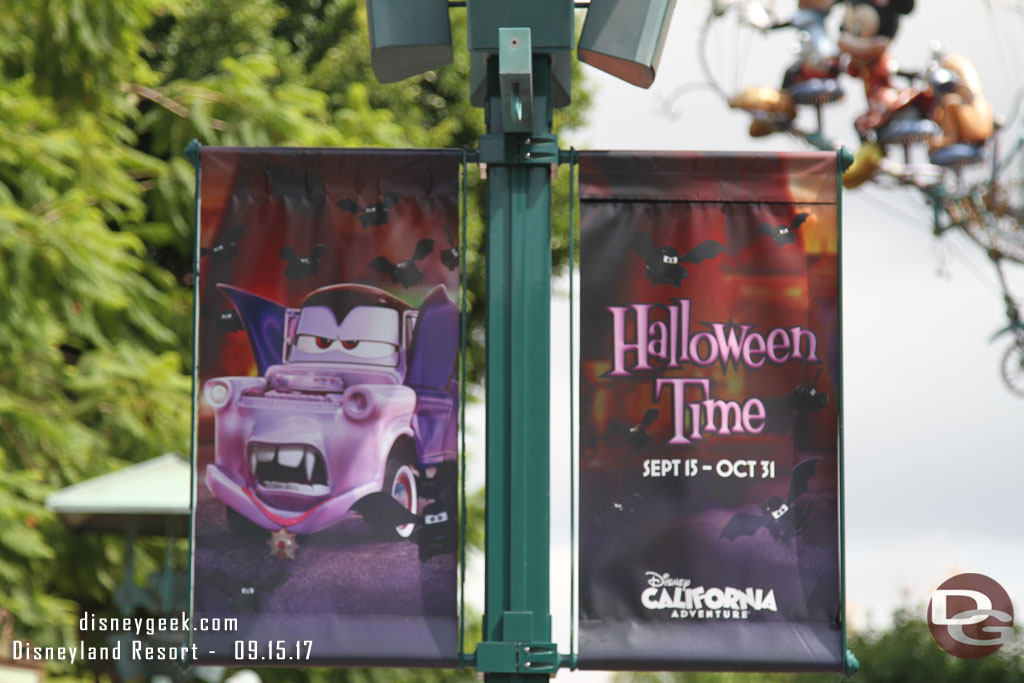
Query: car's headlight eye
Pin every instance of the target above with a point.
(358, 404)
(217, 393)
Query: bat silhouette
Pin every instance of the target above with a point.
(664, 264)
(246, 595)
(450, 256)
(784, 411)
(806, 399)
(783, 518)
(784, 234)
(384, 510)
(406, 273)
(299, 267)
(227, 321)
(617, 513)
(303, 190)
(372, 215)
(438, 535)
(227, 248)
(637, 435)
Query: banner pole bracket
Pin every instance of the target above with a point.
(519, 657)
(538, 658)
(519, 150)
(192, 152)
(851, 664)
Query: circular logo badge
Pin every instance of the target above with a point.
(970, 616)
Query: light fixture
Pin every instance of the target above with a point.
(408, 37)
(625, 37)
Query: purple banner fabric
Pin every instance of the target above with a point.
(325, 520)
(709, 412)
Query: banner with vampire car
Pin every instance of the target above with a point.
(709, 412)
(324, 520)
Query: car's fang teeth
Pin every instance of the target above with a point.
(295, 468)
(290, 456)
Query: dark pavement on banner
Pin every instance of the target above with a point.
(343, 569)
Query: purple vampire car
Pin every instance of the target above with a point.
(355, 404)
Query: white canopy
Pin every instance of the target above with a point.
(152, 496)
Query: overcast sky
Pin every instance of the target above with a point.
(934, 465)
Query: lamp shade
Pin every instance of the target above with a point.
(408, 37)
(625, 37)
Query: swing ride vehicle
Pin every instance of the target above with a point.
(930, 129)
(354, 411)
(943, 106)
(811, 81)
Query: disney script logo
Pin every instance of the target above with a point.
(656, 580)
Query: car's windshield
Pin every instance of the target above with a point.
(367, 336)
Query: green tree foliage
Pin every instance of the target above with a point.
(297, 73)
(89, 333)
(902, 652)
(98, 99)
(906, 653)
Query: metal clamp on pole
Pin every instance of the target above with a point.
(538, 658)
(515, 73)
(518, 658)
(539, 149)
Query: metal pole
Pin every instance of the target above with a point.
(517, 620)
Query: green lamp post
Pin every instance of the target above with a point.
(520, 56)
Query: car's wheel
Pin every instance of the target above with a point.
(241, 526)
(400, 484)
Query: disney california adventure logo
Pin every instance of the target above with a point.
(687, 601)
(970, 616)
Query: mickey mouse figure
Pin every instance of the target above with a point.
(867, 30)
(816, 68)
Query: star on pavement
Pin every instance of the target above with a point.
(283, 545)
